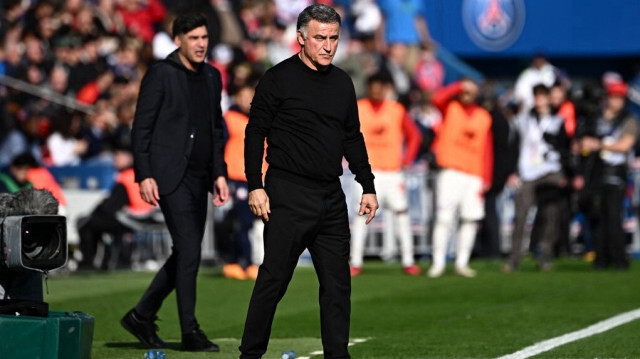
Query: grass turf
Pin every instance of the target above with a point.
(401, 316)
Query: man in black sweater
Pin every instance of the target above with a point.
(306, 109)
(178, 146)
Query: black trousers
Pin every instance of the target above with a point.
(91, 233)
(606, 224)
(185, 212)
(529, 194)
(489, 234)
(303, 217)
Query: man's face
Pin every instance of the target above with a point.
(244, 98)
(469, 92)
(193, 45)
(541, 101)
(377, 91)
(556, 96)
(122, 159)
(615, 102)
(19, 173)
(320, 43)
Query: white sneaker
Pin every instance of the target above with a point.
(465, 272)
(435, 272)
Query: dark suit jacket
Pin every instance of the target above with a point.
(163, 125)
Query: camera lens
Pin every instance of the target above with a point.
(41, 241)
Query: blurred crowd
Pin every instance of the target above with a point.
(72, 71)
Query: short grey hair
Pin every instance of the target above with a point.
(321, 13)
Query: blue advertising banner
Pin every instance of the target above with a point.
(516, 28)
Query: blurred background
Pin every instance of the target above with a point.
(70, 71)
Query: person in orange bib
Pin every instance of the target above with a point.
(465, 155)
(387, 127)
(236, 119)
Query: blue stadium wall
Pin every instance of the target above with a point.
(587, 37)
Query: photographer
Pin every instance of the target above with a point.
(605, 150)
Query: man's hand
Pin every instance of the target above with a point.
(259, 203)
(578, 182)
(368, 205)
(220, 191)
(590, 144)
(149, 191)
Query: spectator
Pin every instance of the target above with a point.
(34, 52)
(387, 129)
(91, 92)
(429, 120)
(539, 72)
(98, 133)
(367, 18)
(614, 135)
(124, 198)
(14, 178)
(140, 17)
(163, 44)
(22, 139)
(542, 167)
(239, 264)
(506, 143)
(124, 113)
(287, 10)
(429, 72)
(108, 19)
(563, 107)
(59, 80)
(280, 46)
(363, 61)
(126, 60)
(64, 147)
(231, 28)
(394, 65)
(464, 154)
(41, 178)
(404, 23)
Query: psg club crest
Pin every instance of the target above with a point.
(493, 25)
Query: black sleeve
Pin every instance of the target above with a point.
(219, 165)
(117, 199)
(263, 109)
(149, 100)
(354, 148)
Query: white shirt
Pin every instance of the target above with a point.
(62, 150)
(537, 157)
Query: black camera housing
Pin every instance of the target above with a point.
(33, 242)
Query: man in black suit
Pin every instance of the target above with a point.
(178, 157)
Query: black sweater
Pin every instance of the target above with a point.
(199, 96)
(310, 121)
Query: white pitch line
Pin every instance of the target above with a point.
(320, 352)
(594, 329)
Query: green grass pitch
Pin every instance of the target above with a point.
(401, 316)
